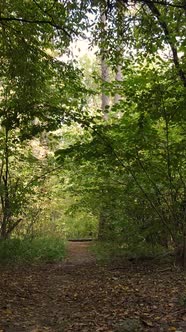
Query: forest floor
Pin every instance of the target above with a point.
(82, 295)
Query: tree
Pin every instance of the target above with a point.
(37, 90)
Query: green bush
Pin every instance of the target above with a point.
(106, 251)
(38, 249)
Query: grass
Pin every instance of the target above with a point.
(32, 250)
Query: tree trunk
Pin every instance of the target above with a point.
(184, 238)
(5, 201)
(105, 100)
(118, 78)
(102, 226)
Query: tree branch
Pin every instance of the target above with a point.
(161, 3)
(24, 20)
(155, 11)
(165, 3)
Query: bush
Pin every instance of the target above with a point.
(28, 250)
(106, 251)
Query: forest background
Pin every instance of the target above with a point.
(93, 147)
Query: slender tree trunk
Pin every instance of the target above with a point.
(184, 238)
(5, 202)
(118, 78)
(105, 101)
(102, 225)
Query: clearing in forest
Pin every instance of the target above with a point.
(81, 295)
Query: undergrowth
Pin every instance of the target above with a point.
(31, 250)
(106, 251)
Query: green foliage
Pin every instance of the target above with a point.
(112, 251)
(131, 167)
(79, 224)
(38, 92)
(22, 179)
(132, 171)
(31, 250)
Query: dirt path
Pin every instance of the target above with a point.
(80, 295)
(78, 253)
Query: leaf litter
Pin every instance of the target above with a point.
(82, 295)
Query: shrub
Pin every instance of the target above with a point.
(37, 249)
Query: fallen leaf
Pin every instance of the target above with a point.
(147, 322)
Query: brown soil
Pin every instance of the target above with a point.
(79, 253)
(81, 295)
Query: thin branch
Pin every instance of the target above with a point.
(140, 163)
(126, 167)
(43, 176)
(13, 226)
(165, 3)
(44, 11)
(23, 40)
(155, 11)
(24, 20)
(120, 161)
(161, 3)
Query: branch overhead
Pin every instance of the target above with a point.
(40, 22)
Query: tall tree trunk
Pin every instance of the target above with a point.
(184, 238)
(5, 202)
(105, 101)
